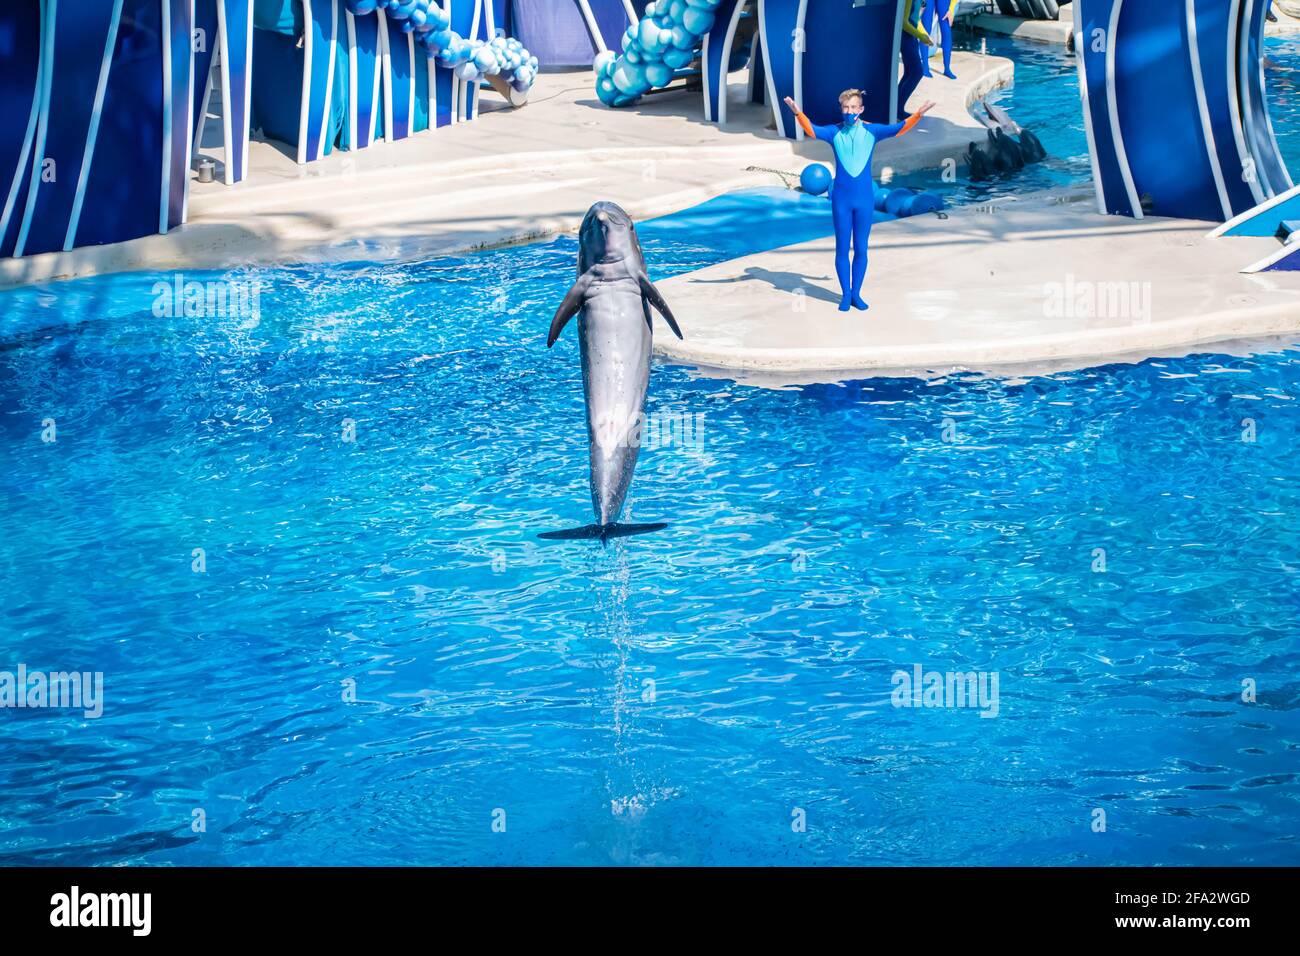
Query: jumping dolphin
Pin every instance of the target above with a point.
(612, 299)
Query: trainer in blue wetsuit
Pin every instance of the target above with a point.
(914, 35)
(945, 10)
(853, 195)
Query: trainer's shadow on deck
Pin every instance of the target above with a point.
(782, 281)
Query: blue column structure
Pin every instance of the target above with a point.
(205, 47)
(716, 56)
(465, 16)
(814, 49)
(364, 82)
(1173, 100)
(1265, 219)
(398, 59)
(80, 45)
(323, 29)
(565, 33)
(1278, 218)
(235, 40)
(1270, 173)
(104, 101)
(22, 36)
(453, 46)
(103, 94)
(178, 109)
(424, 106)
(757, 78)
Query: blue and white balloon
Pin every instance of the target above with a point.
(663, 41)
(469, 59)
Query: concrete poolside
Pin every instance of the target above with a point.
(1028, 283)
(511, 175)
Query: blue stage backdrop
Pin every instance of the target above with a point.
(565, 34)
(105, 102)
(102, 147)
(813, 51)
(1174, 105)
(21, 39)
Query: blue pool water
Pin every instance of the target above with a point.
(676, 698)
(822, 538)
(1282, 81)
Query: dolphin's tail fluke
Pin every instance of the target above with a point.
(602, 532)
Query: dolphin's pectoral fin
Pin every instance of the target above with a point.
(569, 307)
(651, 295)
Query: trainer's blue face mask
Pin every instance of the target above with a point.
(851, 118)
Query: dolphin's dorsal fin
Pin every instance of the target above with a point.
(569, 307)
(651, 295)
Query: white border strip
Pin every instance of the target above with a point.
(596, 38)
(1234, 93)
(1198, 83)
(1254, 211)
(1242, 90)
(774, 104)
(456, 91)
(224, 42)
(165, 202)
(410, 99)
(431, 65)
(707, 86)
(248, 94)
(386, 75)
(38, 157)
(799, 22)
(304, 103)
(728, 43)
(1113, 104)
(329, 79)
(376, 89)
(1288, 249)
(1268, 118)
(470, 101)
(1079, 49)
(189, 122)
(753, 64)
(32, 117)
(899, 17)
(203, 104)
(351, 23)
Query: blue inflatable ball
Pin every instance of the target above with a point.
(815, 179)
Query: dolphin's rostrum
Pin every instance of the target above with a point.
(612, 298)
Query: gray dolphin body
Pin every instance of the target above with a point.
(612, 298)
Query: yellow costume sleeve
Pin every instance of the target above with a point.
(915, 29)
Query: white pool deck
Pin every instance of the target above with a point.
(1040, 281)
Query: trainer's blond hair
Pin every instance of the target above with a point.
(849, 94)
